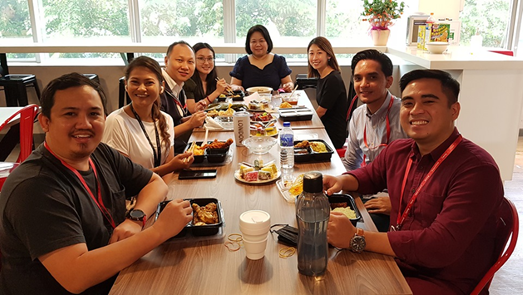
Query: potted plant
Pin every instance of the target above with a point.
(381, 14)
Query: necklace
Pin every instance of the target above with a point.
(157, 153)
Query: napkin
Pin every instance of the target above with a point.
(254, 96)
(211, 124)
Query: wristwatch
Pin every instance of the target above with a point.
(137, 215)
(357, 243)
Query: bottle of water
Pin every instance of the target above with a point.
(286, 149)
(312, 214)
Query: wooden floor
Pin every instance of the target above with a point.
(509, 279)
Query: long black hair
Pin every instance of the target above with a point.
(211, 77)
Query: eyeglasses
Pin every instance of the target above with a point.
(204, 59)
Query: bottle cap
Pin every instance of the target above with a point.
(313, 182)
(286, 124)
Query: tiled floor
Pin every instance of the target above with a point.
(509, 279)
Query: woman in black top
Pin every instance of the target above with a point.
(331, 94)
(203, 85)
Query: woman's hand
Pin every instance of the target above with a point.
(181, 161)
(222, 86)
(288, 87)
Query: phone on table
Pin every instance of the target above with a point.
(195, 174)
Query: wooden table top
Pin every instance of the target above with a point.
(303, 100)
(205, 266)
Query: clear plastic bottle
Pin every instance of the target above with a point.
(286, 149)
(312, 215)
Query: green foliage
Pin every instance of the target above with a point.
(86, 18)
(381, 13)
(488, 18)
(14, 19)
(296, 18)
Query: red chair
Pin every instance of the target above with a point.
(507, 226)
(27, 116)
(341, 151)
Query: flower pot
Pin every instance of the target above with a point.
(380, 37)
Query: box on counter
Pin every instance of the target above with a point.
(436, 32)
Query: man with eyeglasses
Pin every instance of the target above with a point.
(375, 124)
(179, 67)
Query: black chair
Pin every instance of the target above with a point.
(15, 86)
(123, 97)
(93, 77)
(303, 82)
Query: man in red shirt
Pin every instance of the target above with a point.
(444, 191)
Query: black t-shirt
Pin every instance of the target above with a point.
(331, 95)
(45, 207)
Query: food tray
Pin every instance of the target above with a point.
(211, 157)
(312, 156)
(224, 106)
(262, 117)
(345, 198)
(285, 192)
(237, 95)
(296, 114)
(199, 230)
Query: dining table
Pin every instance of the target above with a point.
(304, 104)
(204, 265)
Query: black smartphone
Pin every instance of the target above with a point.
(194, 174)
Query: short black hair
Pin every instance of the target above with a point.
(170, 48)
(373, 54)
(449, 85)
(65, 82)
(263, 30)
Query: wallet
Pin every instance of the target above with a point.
(287, 235)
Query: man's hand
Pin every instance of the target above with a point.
(125, 229)
(173, 218)
(340, 230)
(332, 184)
(197, 119)
(378, 205)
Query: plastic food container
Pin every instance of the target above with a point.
(345, 200)
(199, 230)
(309, 155)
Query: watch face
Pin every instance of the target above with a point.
(136, 214)
(357, 244)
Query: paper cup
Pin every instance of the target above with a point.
(255, 222)
(255, 250)
(241, 122)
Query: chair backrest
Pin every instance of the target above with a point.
(507, 227)
(27, 116)
(303, 82)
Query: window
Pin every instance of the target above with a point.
(15, 24)
(89, 21)
(486, 18)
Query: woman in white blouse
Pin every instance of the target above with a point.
(140, 130)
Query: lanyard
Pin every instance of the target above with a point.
(387, 120)
(157, 153)
(98, 202)
(401, 218)
(178, 103)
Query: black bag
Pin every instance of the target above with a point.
(287, 235)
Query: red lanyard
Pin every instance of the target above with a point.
(98, 202)
(387, 120)
(177, 101)
(401, 218)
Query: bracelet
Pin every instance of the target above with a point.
(207, 98)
